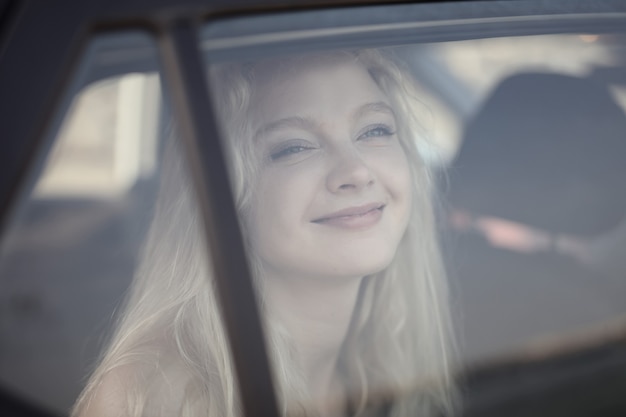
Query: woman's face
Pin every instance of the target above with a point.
(333, 195)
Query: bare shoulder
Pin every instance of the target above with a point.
(137, 390)
(109, 397)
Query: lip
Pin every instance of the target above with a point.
(357, 217)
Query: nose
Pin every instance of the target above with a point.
(349, 172)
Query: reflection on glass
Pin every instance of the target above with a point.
(537, 193)
(108, 142)
(70, 253)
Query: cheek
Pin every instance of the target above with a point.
(400, 188)
(398, 176)
(278, 206)
(404, 187)
(264, 204)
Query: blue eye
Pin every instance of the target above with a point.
(377, 131)
(288, 150)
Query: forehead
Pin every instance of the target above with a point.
(315, 87)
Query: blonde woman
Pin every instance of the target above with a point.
(335, 205)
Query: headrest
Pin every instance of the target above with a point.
(546, 150)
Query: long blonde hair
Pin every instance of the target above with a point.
(397, 352)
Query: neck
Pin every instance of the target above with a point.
(316, 314)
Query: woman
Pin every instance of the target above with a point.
(335, 205)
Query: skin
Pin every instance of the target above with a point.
(332, 203)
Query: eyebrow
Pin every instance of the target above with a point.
(296, 122)
(377, 107)
(306, 123)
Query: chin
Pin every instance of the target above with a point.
(363, 263)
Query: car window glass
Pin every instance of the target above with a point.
(569, 81)
(424, 219)
(523, 139)
(87, 233)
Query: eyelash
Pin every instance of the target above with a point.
(371, 133)
(288, 150)
(383, 129)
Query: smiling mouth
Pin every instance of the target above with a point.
(354, 217)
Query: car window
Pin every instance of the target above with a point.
(428, 200)
(501, 91)
(521, 139)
